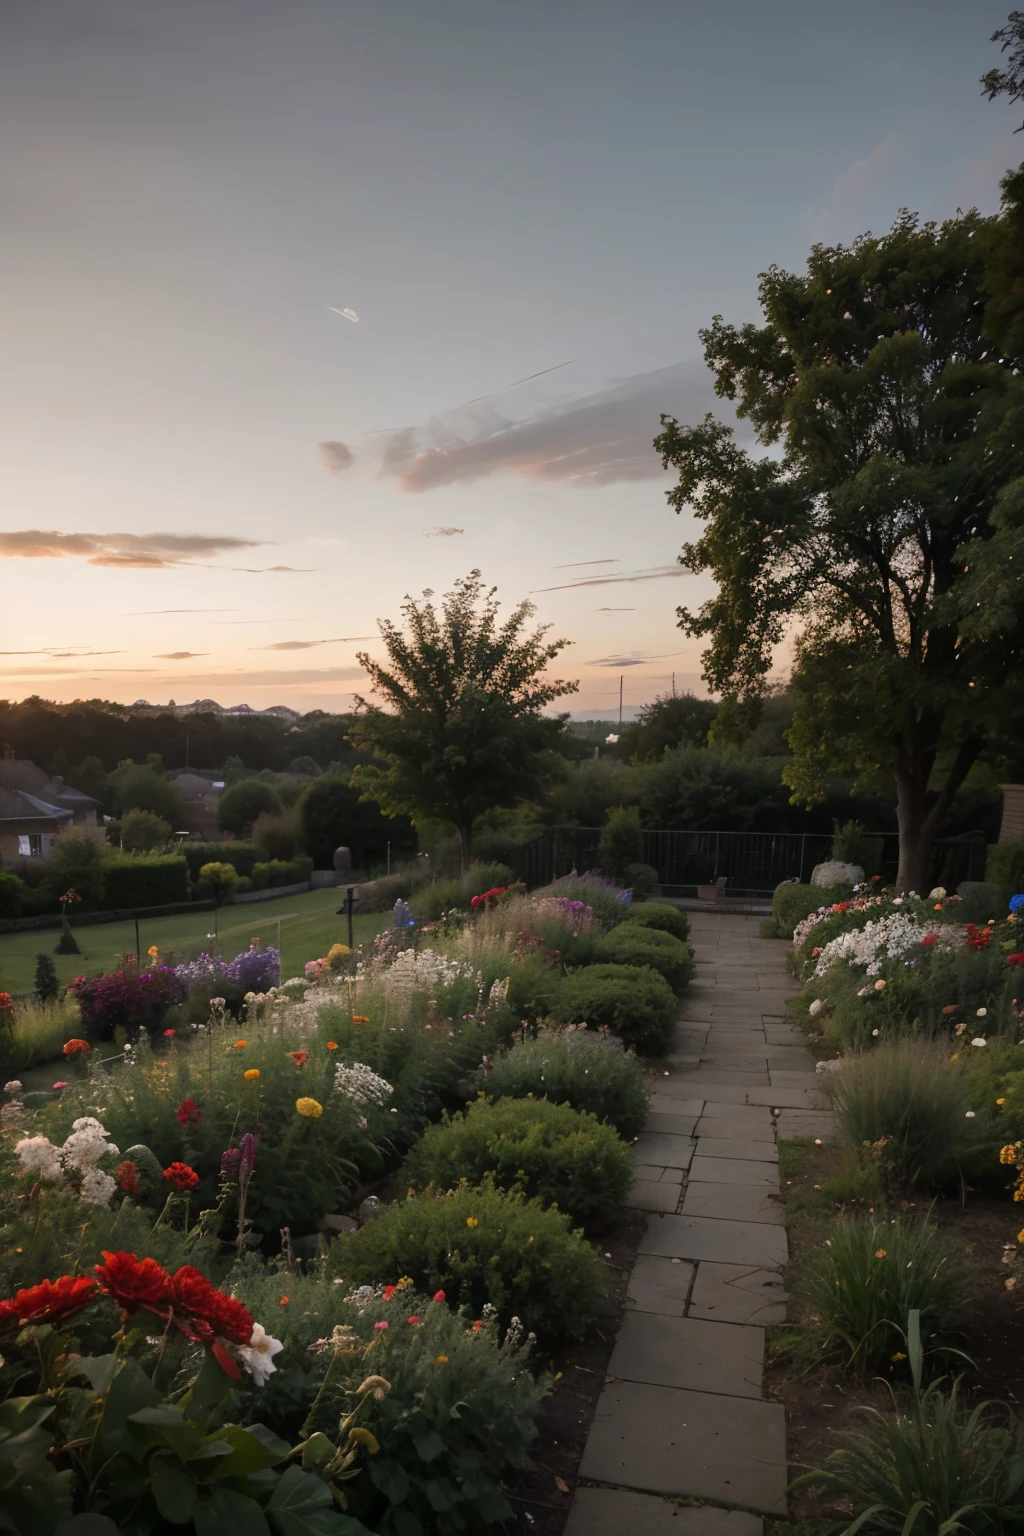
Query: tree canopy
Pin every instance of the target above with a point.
(874, 535)
(672, 720)
(459, 729)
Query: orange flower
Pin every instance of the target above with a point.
(881, 1253)
(284, 1301)
(360, 1018)
(332, 1045)
(299, 1057)
(76, 1048)
(240, 1045)
(252, 1074)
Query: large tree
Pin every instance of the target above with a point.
(458, 730)
(884, 536)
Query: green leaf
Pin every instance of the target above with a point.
(317, 1451)
(428, 1446)
(405, 1522)
(163, 1425)
(34, 1496)
(225, 1512)
(209, 1390)
(390, 1477)
(247, 1451)
(174, 1489)
(98, 1370)
(88, 1525)
(301, 1505)
(130, 1391)
(441, 1496)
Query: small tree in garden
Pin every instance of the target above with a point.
(67, 945)
(884, 535)
(459, 729)
(142, 832)
(46, 983)
(221, 878)
(75, 863)
(239, 806)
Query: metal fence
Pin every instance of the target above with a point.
(752, 863)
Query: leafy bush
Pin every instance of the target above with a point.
(792, 903)
(38, 1033)
(281, 872)
(935, 1467)
(552, 1151)
(277, 835)
(634, 1001)
(659, 915)
(47, 986)
(440, 896)
(482, 876)
(622, 841)
(242, 856)
(139, 787)
(130, 1000)
(640, 879)
(846, 841)
(589, 1070)
(155, 881)
(142, 832)
(901, 1104)
(12, 895)
(1004, 866)
(862, 1285)
(481, 1245)
(381, 895)
(604, 896)
(241, 804)
(333, 815)
(220, 880)
(76, 863)
(631, 944)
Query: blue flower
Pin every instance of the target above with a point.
(1016, 902)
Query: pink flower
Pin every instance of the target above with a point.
(380, 1327)
(58, 1086)
(439, 1296)
(415, 1320)
(169, 1034)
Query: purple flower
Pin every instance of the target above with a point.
(229, 1161)
(247, 1153)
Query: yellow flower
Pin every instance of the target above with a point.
(1008, 1154)
(880, 1253)
(252, 1074)
(310, 1108)
(364, 1437)
(1020, 1236)
(152, 951)
(1000, 1101)
(899, 1355)
(441, 1360)
(471, 1221)
(240, 1045)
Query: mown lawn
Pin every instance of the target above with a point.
(308, 926)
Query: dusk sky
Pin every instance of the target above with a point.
(215, 481)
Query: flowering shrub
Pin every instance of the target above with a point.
(256, 969)
(127, 999)
(588, 1069)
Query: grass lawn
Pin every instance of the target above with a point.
(308, 927)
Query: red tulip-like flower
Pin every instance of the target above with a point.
(128, 1177)
(1015, 959)
(188, 1113)
(212, 1313)
(76, 1047)
(299, 1057)
(181, 1176)
(51, 1301)
(135, 1284)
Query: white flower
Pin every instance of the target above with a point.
(87, 1143)
(36, 1152)
(258, 1355)
(360, 1083)
(97, 1187)
(13, 1086)
(981, 1013)
(938, 894)
(969, 1115)
(815, 1007)
(874, 1031)
(979, 1040)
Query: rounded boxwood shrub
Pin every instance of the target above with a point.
(559, 1154)
(479, 1244)
(659, 915)
(580, 1067)
(630, 944)
(634, 1001)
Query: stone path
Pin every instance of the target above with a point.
(682, 1412)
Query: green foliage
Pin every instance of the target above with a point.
(242, 856)
(1004, 866)
(243, 803)
(459, 728)
(559, 1154)
(334, 814)
(437, 897)
(157, 881)
(609, 908)
(829, 529)
(657, 914)
(672, 720)
(277, 836)
(12, 895)
(622, 841)
(47, 986)
(591, 1071)
(640, 879)
(139, 787)
(632, 944)
(768, 928)
(871, 1273)
(142, 832)
(901, 1105)
(482, 876)
(634, 1001)
(281, 872)
(792, 903)
(701, 789)
(39, 1031)
(934, 1467)
(481, 1245)
(221, 880)
(846, 841)
(76, 863)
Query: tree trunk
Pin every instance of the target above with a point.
(915, 834)
(465, 847)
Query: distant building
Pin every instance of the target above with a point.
(200, 795)
(35, 809)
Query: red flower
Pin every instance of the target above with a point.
(299, 1057)
(188, 1112)
(438, 1296)
(1015, 959)
(929, 939)
(181, 1176)
(128, 1177)
(978, 938)
(211, 1313)
(169, 1034)
(415, 1320)
(6, 1003)
(76, 1047)
(135, 1284)
(389, 1291)
(49, 1301)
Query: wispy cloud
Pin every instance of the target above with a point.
(597, 440)
(442, 533)
(56, 653)
(179, 655)
(264, 570)
(656, 573)
(143, 613)
(336, 457)
(306, 645)
(131, 551)
(573, 564)
(632, 659)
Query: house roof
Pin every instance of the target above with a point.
(18, 775)
(17, 806)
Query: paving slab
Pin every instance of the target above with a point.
(659, 1285)
(707, 1447)
(739, 1115)
(783, 1098)
(794, 1123)
(689, 1352)
(651, 1173)
(651, 1195)
(721, 1093)
(666, 1151)
(738, 1293)
(733, 1170)
(614, 1512)
(806, 1078)
(670, 1124)
(732, 1202)
(738, 1146)
(720, 1128)
(723, 1077)
(723, 1242)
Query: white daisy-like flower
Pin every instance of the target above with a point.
(97, 1187)
(979, 1040)
(258, 1355)
(815, 1007)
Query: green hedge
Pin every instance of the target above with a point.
(154, 881)
(590, 1071)
(1004, 866)
(280, 872)
(242, 855)
(657, 914)
(792, 903)
(637, 1003)
(630, 944)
